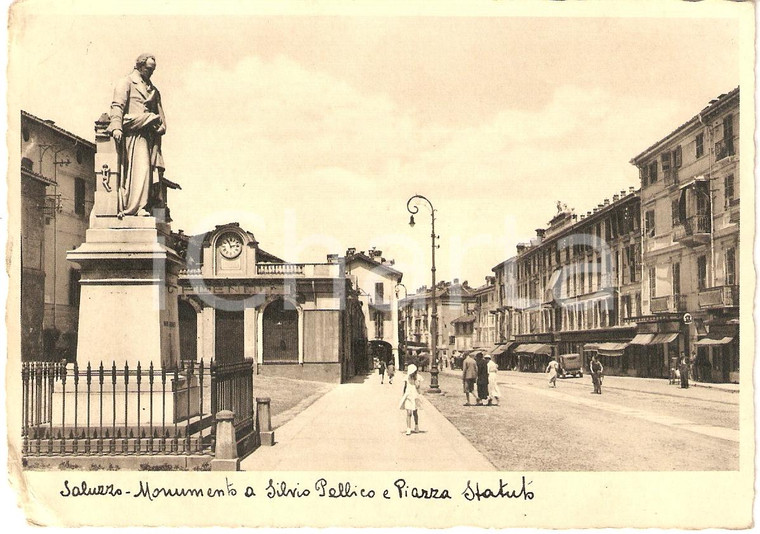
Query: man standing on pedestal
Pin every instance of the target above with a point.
(137, 124)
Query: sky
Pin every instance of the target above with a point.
(313, 132)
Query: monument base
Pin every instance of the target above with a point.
(128, 301)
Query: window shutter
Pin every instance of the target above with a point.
(678, 156)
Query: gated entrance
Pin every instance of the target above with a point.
(280, 332)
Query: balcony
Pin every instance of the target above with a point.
(668, 304)
(724, 149)
(694, 231)
(719, 297)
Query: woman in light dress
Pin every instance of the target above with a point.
(493, 387)
(552, 370)
(410, 399)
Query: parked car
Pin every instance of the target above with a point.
(570, 365)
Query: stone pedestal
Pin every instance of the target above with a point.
(128, 304)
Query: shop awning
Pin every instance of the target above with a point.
(501, 349)
(654, 339)
(710, 341)
(534, 348)
(591, 346)
(611, 349)
(642, 339)
(664, 338)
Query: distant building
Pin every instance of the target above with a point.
(454, 300)
(690, 209)
(294, 320)
(376, 282)
(486, 304)
(58, 184)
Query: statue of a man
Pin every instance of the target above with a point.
(137, 124)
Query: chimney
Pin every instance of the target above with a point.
(631, 189)
(332, 258)
(456, 281)
(351, 251)
(540, 233)
(521, 248)
(615, 198)
(606, 201)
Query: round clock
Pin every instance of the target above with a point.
(230, 246)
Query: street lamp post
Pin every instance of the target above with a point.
(413, 208)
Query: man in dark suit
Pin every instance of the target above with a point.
(469, 376)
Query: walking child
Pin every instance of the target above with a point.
(410, 398)
(391, 371)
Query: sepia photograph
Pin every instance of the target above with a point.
(319, 264)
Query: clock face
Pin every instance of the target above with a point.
(230, 246)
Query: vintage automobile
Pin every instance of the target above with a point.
(570, 365)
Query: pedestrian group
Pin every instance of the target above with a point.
(480, 373)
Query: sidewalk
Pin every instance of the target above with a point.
(358, 427)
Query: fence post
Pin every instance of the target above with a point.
(225, 451)
(264, 417)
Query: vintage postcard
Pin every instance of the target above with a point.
(349, 264)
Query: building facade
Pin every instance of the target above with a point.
(690, 219)
(376, 282)
(58, 184)
(454, 300)
(577, 285)
(486, 303)
(294, 320)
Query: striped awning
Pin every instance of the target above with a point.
(712, 341)
(654, 339)
(611, 349)
(501, 349)
(642, 339)
(533, 348)
(664, 338)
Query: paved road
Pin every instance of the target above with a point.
(647, 425)
(358, 426)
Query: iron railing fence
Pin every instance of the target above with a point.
(110, 410)
(232, 389)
